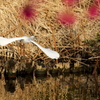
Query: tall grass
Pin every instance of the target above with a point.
(47, 29)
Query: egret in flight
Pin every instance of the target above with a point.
(50, 53)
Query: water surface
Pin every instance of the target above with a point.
(70, 87)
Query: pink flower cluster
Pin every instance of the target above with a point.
(93, 10)
(97, 2)
(67, 18)
(28, 12)
(70, 2)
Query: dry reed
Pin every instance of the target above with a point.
(48, 31)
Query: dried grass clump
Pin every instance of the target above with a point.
(47, 29)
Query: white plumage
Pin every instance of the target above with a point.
(50, 53)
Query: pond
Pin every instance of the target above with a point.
(61, 87)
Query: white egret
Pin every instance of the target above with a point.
(50, 53)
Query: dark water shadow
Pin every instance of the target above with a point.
(80, 84)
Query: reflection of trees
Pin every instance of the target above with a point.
(24, 80)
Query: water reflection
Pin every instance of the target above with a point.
(71, 87)
(10, 85)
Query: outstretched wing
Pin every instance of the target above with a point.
(5, 41)
(50, 53)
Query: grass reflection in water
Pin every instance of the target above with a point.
(70, 87)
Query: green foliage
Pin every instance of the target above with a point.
(90, 42)
(94, 44)
(69, 96)
(98, 37)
